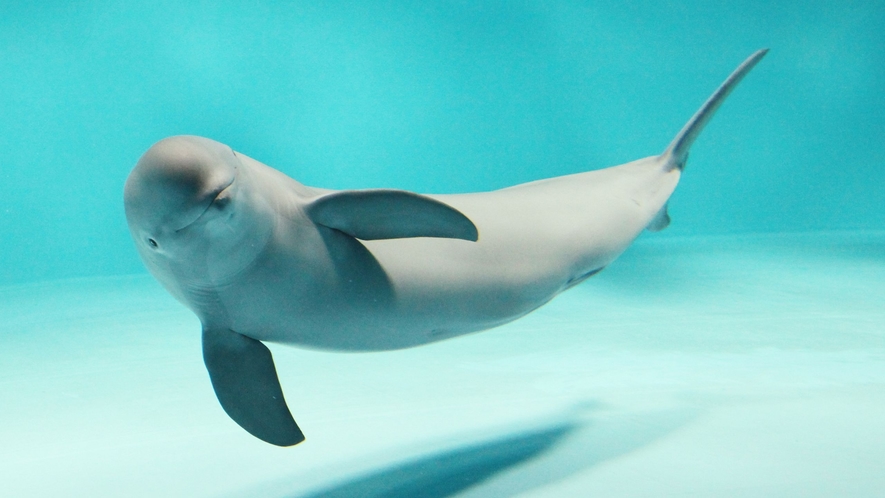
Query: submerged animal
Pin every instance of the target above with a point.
(260, 257)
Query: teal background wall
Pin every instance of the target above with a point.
(436, 97)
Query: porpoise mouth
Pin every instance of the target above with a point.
(212, 198)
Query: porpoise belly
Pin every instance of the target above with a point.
(413, 306)
(410, 313)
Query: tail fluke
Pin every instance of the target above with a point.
(678, 149)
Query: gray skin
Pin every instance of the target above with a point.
(260, 257)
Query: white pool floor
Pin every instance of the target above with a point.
(724, 366)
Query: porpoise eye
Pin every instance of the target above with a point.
(152, 243)
(222, 199)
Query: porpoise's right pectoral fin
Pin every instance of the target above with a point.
(246, 384)
(390, 214)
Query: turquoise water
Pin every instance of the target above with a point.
(740, 352)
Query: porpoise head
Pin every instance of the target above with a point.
(190, 212)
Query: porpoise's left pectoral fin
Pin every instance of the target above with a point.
(246, 384)
(390, 214)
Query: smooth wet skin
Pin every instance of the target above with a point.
(260, 257)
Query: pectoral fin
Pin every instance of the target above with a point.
(390, 214)
(246, 384)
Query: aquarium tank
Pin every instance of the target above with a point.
(740, 351)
